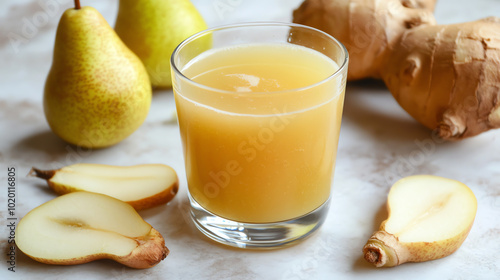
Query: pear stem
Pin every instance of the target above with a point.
(384, 249)
(373, 256)
(77, 5)
(43, 174)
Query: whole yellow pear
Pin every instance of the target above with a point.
(152, 29)
(97, 92)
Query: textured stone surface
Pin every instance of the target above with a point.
(379, 144)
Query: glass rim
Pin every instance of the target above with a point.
(193, 37)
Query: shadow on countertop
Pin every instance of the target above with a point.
(45, 147)
(44, 141)
(370, 106)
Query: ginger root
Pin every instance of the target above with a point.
(444, 76)
(447, 77)
(367, 28)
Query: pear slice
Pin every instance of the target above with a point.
(142, 186)
(81, 227)
(429, 218)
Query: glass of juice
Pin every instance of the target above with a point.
(259, 107)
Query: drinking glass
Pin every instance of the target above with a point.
(259, 165)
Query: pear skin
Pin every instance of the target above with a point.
(429, 218)
(152, 29)
(97, 92)
(81, 227)
(142, 186)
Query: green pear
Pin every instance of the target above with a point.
(153, 29)
(97, 92)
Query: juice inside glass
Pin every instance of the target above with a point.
(259, 109)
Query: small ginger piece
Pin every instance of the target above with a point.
(429, 218)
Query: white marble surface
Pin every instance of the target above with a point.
(379, 143)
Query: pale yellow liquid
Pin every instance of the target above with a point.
(262, 151)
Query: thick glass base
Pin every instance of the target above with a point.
(257, 236)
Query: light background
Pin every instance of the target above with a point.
(379, 143)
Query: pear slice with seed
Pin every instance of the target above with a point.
(81, 227)
(429, 218)
(142, 186)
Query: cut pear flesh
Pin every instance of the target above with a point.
(429, 218)
(142, 186)
(81, 227)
